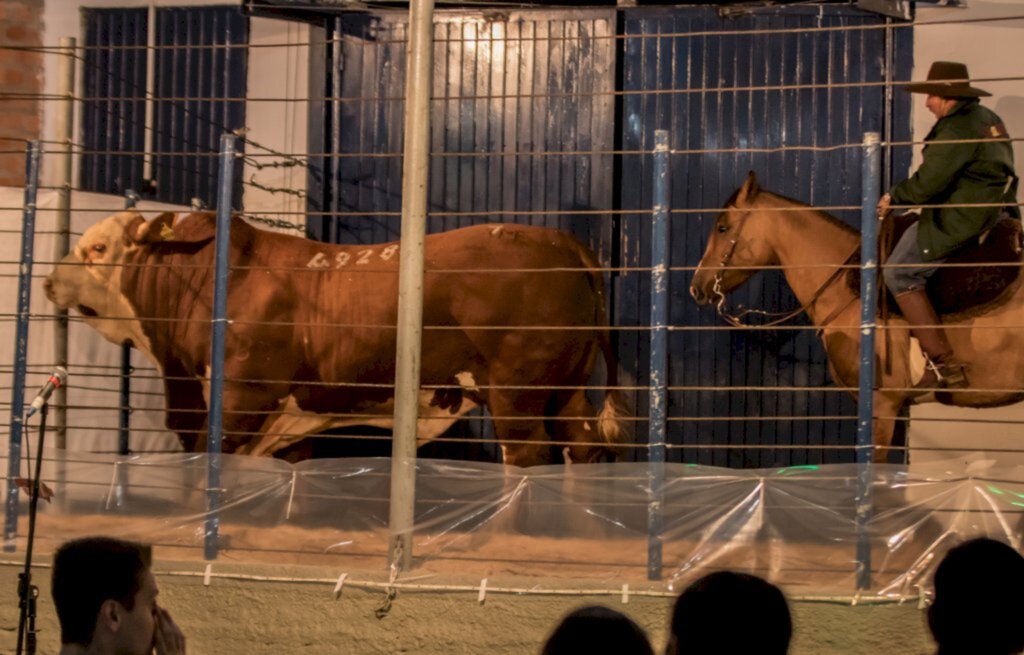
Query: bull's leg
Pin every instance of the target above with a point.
(246, 410)
(282, 428)
(519, 426)
(576, 423)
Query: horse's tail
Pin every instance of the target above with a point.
(610, 423)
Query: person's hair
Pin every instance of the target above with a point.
(978, 604)
(86, 573)
(597, 629)
(729, 612)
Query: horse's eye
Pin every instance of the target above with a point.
(99, 248)
(722, 227)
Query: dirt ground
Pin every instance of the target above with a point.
(255, 617)
(248, 608)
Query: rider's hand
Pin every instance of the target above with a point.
(883, 205)
(169, 639)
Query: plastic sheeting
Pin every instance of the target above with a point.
(583, 526)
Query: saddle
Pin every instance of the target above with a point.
(957, 289)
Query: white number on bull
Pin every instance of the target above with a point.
(319, 261)
(389, 252)
(364, 256)
(341, 259)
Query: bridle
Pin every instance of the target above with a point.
(776, 318)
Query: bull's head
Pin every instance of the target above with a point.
(88, 279)
(735, 248)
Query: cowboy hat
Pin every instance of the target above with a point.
(948, 79)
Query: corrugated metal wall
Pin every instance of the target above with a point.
(188, 115)
(111, 122)
(194, 126)
(719, 57)
(500, 82)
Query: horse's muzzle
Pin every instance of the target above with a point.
(699, 296)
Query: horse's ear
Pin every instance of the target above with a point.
(749, 190)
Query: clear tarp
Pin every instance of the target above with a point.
(545, 527)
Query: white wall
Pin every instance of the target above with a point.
(274, 72)
(990, 49)
(92, 360)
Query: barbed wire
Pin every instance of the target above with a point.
(378, 42)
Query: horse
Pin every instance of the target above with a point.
(757, 228)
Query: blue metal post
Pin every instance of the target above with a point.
(131, 198)
(28, 237)
(658, 403)
(871, 180)
(219, 330)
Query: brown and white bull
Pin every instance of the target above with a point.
(514, 315)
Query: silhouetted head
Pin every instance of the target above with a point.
(730, 612)
(597, 629)
(979, 600)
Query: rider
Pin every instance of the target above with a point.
(973, 172)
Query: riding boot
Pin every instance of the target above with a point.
(942, 369)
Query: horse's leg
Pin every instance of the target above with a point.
(885, 413)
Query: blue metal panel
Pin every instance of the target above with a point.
(500, 85)
(189, 117)
(112, 68)
(735, 120)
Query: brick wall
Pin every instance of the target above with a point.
(21, 72)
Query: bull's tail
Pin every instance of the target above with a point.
(610, 423)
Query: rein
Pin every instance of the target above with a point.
(737, 319)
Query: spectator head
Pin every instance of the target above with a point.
(105, 595)
(597, 629)
(730, 612)
(978, 600)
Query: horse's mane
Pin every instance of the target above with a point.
(825, 216)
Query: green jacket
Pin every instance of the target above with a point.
(960, 173)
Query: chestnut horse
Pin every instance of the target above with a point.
(758, 228)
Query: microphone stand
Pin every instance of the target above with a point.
(28, 592)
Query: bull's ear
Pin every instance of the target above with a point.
(191, 228)
(155, 231)
(132, 229)
(196, 227)
(749, 190)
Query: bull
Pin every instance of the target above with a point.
(514, 321)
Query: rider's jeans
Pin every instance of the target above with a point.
(915, 271)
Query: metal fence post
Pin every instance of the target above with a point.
(218, 334)
(871, 182)
(65, 116)
(131, 199)
(415, 166)
(658, 401)
(28, 237)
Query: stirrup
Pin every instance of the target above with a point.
(943, 373)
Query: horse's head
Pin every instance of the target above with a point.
(736, 247)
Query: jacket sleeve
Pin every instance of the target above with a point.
(938, 172)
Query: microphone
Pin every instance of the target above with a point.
(58, 378)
